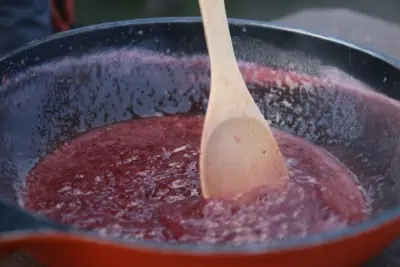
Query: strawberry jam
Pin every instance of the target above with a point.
(140, 180)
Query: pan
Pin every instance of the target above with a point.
(335, 94)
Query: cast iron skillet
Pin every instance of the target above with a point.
(85, 78)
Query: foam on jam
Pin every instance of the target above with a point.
(139, 180)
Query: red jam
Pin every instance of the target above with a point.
(139, 180)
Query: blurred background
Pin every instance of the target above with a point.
(370, 23)
(95, 11)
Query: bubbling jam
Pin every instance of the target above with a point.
(139, 180)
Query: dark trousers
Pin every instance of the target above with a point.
(22, 21)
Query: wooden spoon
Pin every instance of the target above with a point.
(238, 151)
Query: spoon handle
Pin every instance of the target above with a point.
(220, 49)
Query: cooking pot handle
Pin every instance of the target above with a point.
(13, 218)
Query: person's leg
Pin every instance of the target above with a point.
(22, 21)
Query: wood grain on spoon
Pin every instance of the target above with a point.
(238, 151)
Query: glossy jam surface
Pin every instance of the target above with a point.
(139, 180)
